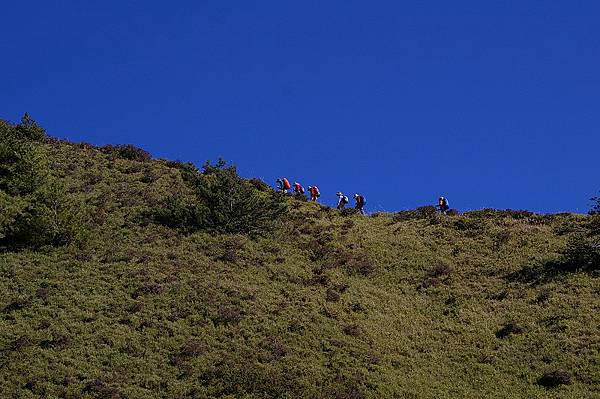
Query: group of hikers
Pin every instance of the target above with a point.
(283, 186)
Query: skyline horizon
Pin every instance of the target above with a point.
(490, 105)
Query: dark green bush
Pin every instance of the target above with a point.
(22, 166)
(47, 217)
(348, 211)
(582, 253)
(260, 185)
(423, 212)
(223, 202)
(465, 224)
(28, 129)
(34, 210)
(181, 213)
(555, 378)
(509, 329)
(528, 216)
(127, 151)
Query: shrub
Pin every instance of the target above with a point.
(180, 212)
(47, 217)
(127, 151)
(228, 315)
(353, 330)
(467, 224)
(34, 209)
(28, 129)
(423, 212)
(582, 253)
(10, 210)
(555, 378)
(583, 248)
(193, 348)
(259, 185)
(189, 171)
(439, 269)
(356, 263)
(300, 197)
(17, 304)
(23, 168)
(430, 282)
(331, 295)
(101, 390)
(508, 329)
(224, 203)
(348, 212)
(543, 296)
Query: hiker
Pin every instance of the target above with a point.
(360, 203)
(342, 200)
(443, 205)
(298, 189)
(314, 193)
(283, 185)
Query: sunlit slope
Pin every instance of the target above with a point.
(327, 305)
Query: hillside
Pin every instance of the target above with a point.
(117, 299)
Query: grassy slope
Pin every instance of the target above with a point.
(331, 306)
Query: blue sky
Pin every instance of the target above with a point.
(493, 104)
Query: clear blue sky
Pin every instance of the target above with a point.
(493, 104)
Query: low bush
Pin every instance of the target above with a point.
(353, 330)
(440, 269)
(259, 185)
(348, 212)
(555, 378)
(127, 151)
(423, 212)
(464, 224)
(100, 390)
(223, 202)
(361, 265)
(331, 295)
(509, 329)
(228, 315)
(582, 253)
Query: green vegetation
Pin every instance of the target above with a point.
(223, 203)
(150, 278)
(34, 208)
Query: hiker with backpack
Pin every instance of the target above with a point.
(298, 189)
(283, 185)
(342, 200)
(360, 203)
(314, 193)
(443, 205)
